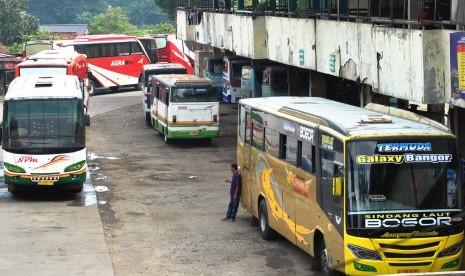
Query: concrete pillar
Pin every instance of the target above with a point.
(240, 5)
(293, 80)
(317, 84)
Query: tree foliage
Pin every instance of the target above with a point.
(139, 12)
(65, 11)
(15, 21)
(114, 21)
(169, 6)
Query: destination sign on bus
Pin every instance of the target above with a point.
(407, 220)
(403, 147)
(406, 158)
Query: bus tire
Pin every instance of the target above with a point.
(13, 189)
(148, 119)
(140, 84)
(87, 119)
(75, 189)
(265, 229)
(324, 259)
(91, 88)
(167, 140)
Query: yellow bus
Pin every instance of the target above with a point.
(364, 191)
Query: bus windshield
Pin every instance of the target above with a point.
(204, 94)
(43, 126)
(42, 71)
(403, 175)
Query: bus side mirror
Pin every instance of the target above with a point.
(337, 186)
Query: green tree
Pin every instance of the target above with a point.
(169, 6)
(113, 21)
(65, 11)
(15, 21)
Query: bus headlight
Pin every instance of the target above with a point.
(75, 166)
(363, 253)
(451, 250)
(13, 168)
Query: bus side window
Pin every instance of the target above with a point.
(258, 135)
(272, 142)
(307, 160)
(136, 49)
(327, 164)
(291, 150)
(248, 128)
(282, 146)
(242, 123)
(167, 97)
(157, 92)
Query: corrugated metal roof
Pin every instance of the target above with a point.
(81, 29)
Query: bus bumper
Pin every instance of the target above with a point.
(54, 180)
(192, 133)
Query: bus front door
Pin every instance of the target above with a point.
(247, 196)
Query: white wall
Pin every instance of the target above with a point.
(413, 64)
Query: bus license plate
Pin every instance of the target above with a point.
(194, 133)
(408, 270)
(45, 182)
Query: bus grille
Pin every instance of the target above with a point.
(410, 264)
(45, 177)
(401, 250)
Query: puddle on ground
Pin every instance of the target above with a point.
(101, 177)
(94, 156)
(100, 189)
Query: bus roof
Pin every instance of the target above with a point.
(163, 65)
(104, 37)
(54, 54)
(40, 87)
(43, 62)
(347, 119)
(182, 79)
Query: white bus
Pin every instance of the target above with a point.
(43, 133)
(184, 106)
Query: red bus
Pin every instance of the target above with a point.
(53, 62)
(161, 40)
(114, 60)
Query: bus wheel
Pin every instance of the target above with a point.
(167, 140)
(139, 84)
(87, 119)
(91, 88)
(148, 119)
(265, 229)
(12, 189)
(76, 188)
(324, 259)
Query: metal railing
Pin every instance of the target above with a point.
(426, 14)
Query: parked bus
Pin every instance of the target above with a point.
(150, 46)
(275, 81)
(148, 72)
(212, 69)
(34, 47)
(54, 62)
(365, 191)
(43, 135)
(232, 71)
(184, 106)
(114, 60)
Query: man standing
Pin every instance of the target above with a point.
(235, 194)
